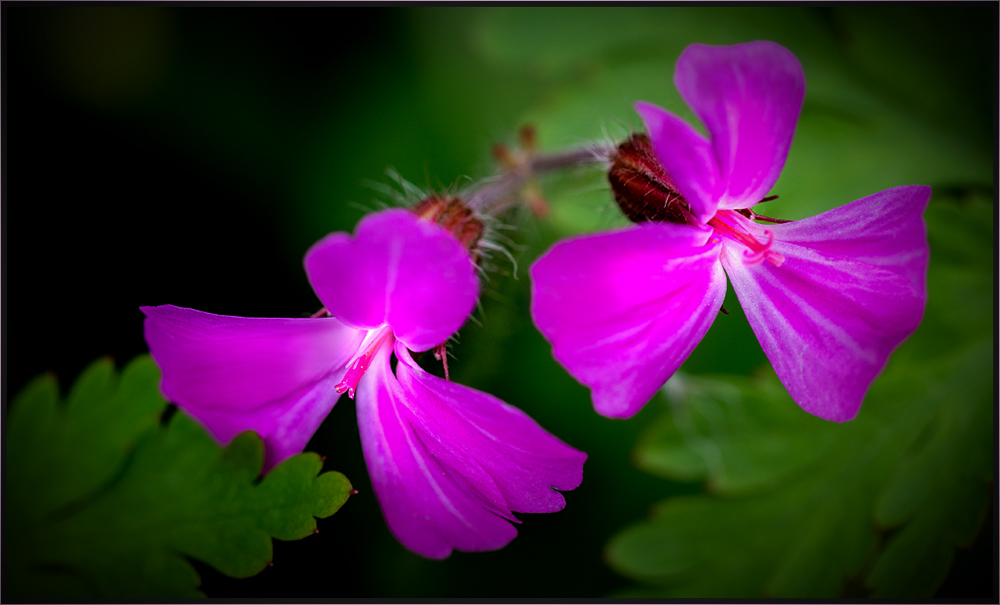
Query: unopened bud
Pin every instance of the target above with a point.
(453, 215)
(527, 137)
(643, 189)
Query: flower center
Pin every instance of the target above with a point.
(729, 224)
(359, 365)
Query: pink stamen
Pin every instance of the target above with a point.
(360, 365)
(441, 354)
(728, 226)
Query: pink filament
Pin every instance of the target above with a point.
(758, 251)
(359, 366)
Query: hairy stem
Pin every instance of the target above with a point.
(489, 198)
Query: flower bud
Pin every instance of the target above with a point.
(453, 215)
(643, 189)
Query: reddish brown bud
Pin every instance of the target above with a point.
(453, 215)
(527, 137)
(643, 189)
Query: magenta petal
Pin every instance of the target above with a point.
(236, 374)
(685, 155)
(398, 270)
(523, 459)
(623, 310)
(749, 97)
(852, 287)
(238, 363)
(450, 464)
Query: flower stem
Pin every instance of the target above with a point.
(489, 198)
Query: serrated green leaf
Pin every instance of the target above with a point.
(939, 494)
(58, 442)
(802, 506)
(725, 430)
(106, 503)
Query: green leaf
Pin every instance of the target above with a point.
(740, 433)
(800, 507)
(104, 502)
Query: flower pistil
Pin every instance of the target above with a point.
(359, 365)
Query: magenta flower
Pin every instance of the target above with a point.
(449, 464)
(829, 297)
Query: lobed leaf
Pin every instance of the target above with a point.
(106, 503)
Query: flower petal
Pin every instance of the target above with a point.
(398, 270)
(749, 97)
(685, 155)
(624, 309)
(273, 376)
(852, 287)
(523, 459)
(450, 464)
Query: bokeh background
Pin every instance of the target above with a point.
(190, 155)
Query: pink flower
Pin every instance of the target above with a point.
(829, 297)
(449, 464)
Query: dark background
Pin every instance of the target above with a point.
(181, 182)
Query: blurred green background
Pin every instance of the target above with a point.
(191, 155)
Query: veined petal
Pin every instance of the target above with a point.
(685, 155)
(273, 376)
(427, 510)
(624, 309)
(440, 466)
(241, 363)
(851, 288)
(398, 270)
(749, 97)
(885, 229)
(465, 426)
